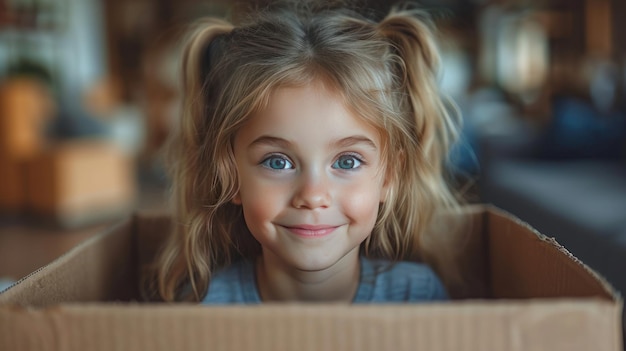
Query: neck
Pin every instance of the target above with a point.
(278, 282)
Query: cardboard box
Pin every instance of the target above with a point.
(529, 294)
(77, 182)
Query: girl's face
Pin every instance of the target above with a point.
(311, 179)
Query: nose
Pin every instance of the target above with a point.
(313, 192)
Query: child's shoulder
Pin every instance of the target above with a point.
(233, 284)
(387, 281)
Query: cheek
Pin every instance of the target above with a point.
(257, 213)
(361, 203)
(261, 203)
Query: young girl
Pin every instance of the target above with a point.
(309, 161)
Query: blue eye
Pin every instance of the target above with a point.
(277, 162)
(347, 162)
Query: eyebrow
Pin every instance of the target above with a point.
(270, 140)
(354, 140)
(341, 143)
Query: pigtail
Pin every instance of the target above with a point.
(432, 128)
(200, 56)
(186, 261)
(413, 40)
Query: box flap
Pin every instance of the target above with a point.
(102, 268)
(520, 325)
(526, 264)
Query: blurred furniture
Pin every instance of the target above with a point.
(568, 181)
(70, 182)
(79, 182)
(25, 107)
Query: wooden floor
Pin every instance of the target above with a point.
(28, 244)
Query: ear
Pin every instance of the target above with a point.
(236, 199)
(385, 189)
(390, 178)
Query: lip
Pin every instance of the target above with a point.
(306, 230)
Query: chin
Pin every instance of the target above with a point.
(316, 264)
(318, 267)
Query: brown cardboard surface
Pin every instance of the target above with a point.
(527, 264)
(495, 326)
(535, 296)
(102, 268)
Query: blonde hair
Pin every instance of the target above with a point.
(385, 71)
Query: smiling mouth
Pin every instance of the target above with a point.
(311, 231)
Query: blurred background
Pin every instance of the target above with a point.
(89, 92)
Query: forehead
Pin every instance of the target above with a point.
(307, 112)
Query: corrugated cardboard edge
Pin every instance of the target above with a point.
(36, 279)
(560, 248)
(564, 325)
(590, 275)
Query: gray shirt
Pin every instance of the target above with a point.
(380, 281)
